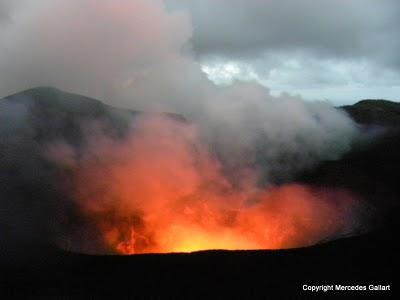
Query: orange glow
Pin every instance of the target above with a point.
(161, 191)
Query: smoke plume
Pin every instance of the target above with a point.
(136, 54)
(219, 165)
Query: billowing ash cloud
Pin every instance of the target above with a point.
(137, 55)
(96, 48)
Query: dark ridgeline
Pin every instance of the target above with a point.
(375, 112)
(33, 269)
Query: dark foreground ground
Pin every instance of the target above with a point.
(49, 273)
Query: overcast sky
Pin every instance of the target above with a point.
(342, 50)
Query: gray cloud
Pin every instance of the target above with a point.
(317, 36)
(341, 51)
(248, 28)
(4, 10)
(8, 8)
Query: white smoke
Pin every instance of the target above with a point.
(136, 54)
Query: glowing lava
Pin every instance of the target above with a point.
(161, 191)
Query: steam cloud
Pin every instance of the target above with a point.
(136, 55)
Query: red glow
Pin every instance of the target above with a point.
(161, 191)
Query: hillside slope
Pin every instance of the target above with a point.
(375, 112)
